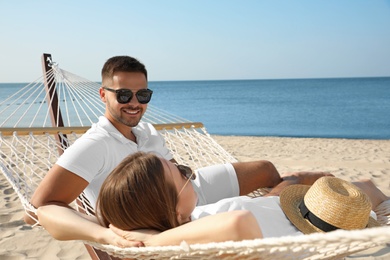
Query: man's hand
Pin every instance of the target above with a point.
(306, 178)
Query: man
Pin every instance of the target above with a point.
(85, 164)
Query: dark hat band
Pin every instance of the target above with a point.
(316, 221)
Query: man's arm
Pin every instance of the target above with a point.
(52, 198)
(254, 175)
(263, 174)
(59, 186)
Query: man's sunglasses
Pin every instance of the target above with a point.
(124, 96)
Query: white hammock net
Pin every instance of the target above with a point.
(30, 144)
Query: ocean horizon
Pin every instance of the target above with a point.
(352, 108)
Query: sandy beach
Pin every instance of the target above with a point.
(347, 159)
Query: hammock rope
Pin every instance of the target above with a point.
(335, 245)
(30, 145)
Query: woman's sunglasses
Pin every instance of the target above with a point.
(124, 96)
(187, 174)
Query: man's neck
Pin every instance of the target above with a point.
(126, 131)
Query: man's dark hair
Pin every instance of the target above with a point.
(122, 64)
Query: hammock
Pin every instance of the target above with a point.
(41, 119)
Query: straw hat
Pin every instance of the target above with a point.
(329, 204)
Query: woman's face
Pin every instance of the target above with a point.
(187, 198)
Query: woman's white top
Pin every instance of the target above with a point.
(267, 211)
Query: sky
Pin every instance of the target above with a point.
(198, 39)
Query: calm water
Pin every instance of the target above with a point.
(342, 108)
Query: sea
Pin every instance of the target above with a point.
(352, 108)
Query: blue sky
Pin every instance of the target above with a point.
(198, 40)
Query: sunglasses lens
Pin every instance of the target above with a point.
(144, 95)
(124, 96)
(186, 172)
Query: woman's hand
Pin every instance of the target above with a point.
(136, 237)
(112, 238)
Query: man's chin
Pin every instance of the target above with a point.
(131, 123)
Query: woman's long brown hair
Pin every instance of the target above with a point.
(136, 195)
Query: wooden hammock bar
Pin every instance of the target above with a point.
(9, 131)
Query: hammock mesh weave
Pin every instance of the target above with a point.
(30, 144)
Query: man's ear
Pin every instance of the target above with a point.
(102, 94)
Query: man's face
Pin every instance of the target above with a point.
(129, 114)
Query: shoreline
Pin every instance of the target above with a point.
(349, 159)
(302, 137)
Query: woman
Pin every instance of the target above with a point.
(153, 195)
(146, 192)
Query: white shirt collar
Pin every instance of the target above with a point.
(138, 132)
